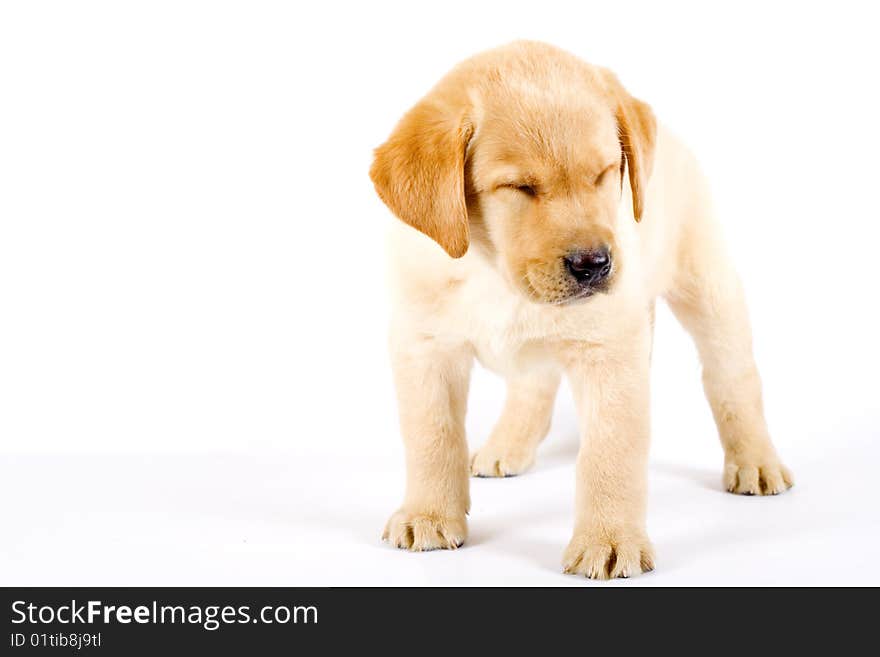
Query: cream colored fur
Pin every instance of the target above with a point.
(449, 311)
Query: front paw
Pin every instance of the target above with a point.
(501, 460)
(762, 476)
(599, 557)
(420, 532)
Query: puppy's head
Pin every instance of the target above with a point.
(521, 152)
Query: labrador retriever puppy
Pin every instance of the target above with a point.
(543, 211)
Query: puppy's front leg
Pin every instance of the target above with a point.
(611, 384)
(432, 385)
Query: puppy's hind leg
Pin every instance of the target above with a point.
(525, 421)
(708, 300)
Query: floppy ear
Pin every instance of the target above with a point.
(638, 134)
(419, 172)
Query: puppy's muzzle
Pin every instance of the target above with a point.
(589, 268)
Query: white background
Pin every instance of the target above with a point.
(193, 378)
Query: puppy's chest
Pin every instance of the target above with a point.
(509, 333)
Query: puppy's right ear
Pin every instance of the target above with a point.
(419, 172)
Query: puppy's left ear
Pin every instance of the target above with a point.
(419, 171)
(638, 135)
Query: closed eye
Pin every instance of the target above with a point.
(525, 188)
(602, 177)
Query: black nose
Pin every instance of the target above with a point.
(589, 267)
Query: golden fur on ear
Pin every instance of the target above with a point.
(638, 135)
(419, 172)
